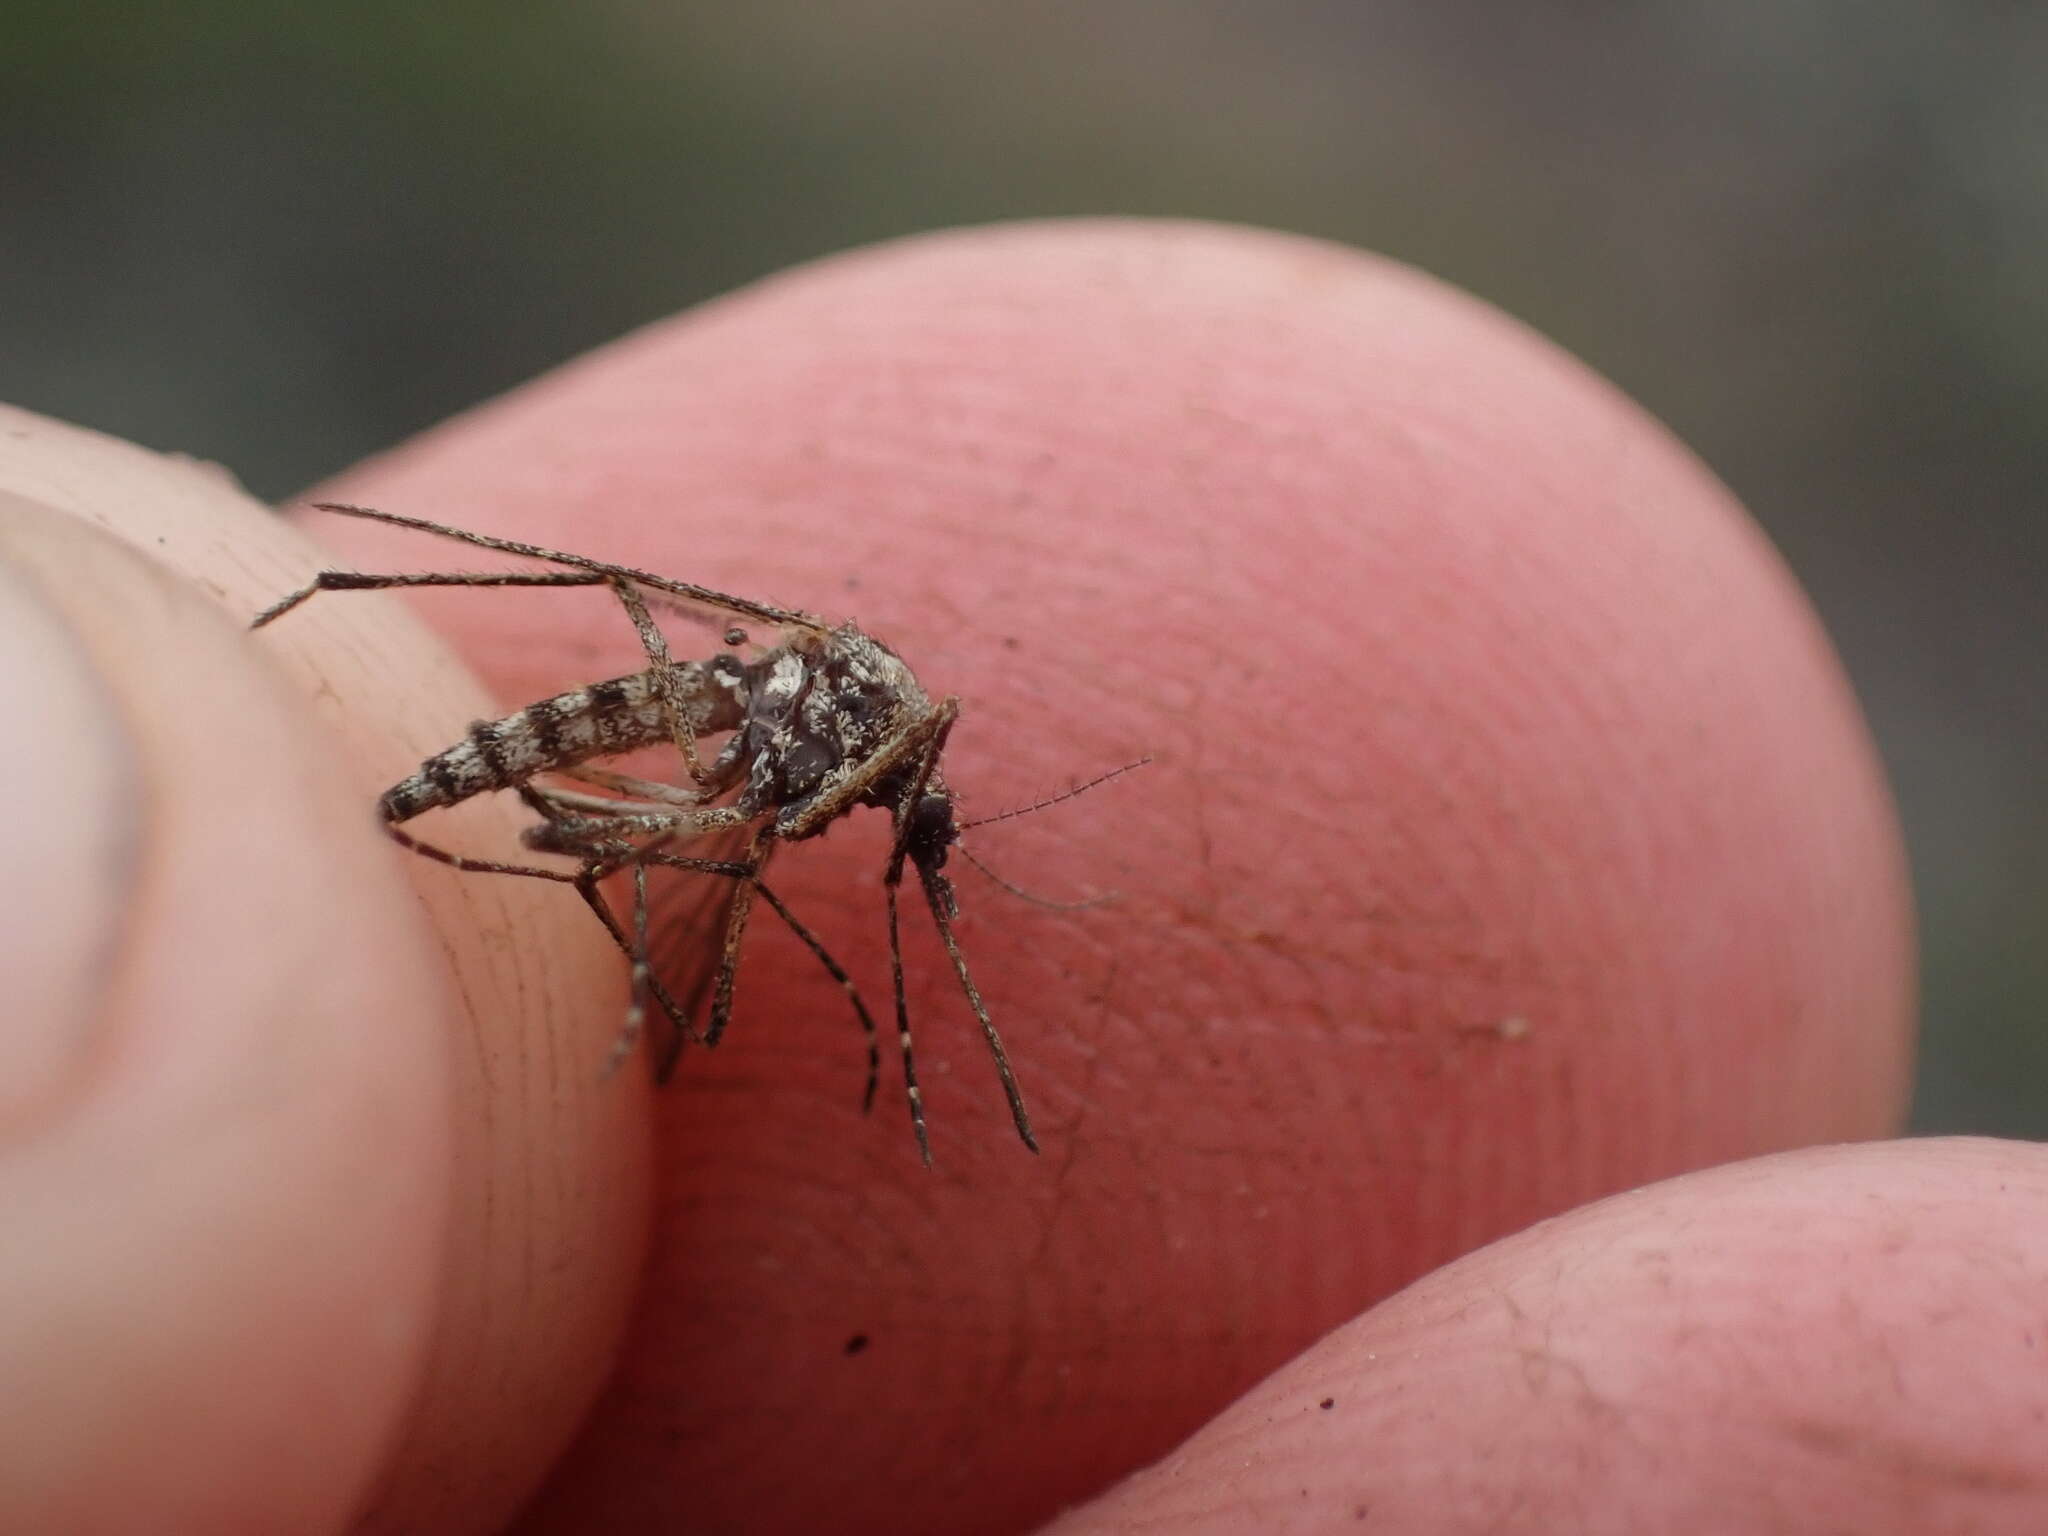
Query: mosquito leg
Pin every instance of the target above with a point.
(358, 581)
(587, 884)
(938, 893)
(581, 834)
(577, 825)
(643, 976)
(938, 725)
(867, 1020)
(597, 867)
(724, 601)
(588, 880)
(662, 667)
(672, 1053)
(405, 839)
(537, 799)
(568, 804)
(626, 784)
(585, 881)
(735, 925)
(910, 1088)
(750, 873)
(729, 956)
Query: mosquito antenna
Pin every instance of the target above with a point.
(1039, 805)
(1036, 900)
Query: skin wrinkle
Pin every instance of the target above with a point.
(1908, 1464)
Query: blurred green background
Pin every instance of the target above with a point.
(1812, 236)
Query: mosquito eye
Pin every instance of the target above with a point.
(932, 831)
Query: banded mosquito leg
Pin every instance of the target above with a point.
(596, 836)
(361, 581)
(626, 784)
(634, 947)
(938, 894)
(745, 872)
(834, 969)
(690, 592)
(585, 883)
(910, 1088)
(663, 667)
(598, 865)
(642, 978)
(729, 953)
(463, 862)
(838, 974)
(601, 839)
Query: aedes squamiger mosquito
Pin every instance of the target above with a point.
(827, 720)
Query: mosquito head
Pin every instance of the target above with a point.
(932, 831)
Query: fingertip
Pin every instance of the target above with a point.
(1846, 1338)
(1512, 836)
(1473, 697)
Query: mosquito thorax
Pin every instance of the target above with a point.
(819, 705)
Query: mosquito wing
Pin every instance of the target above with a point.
(692, 911)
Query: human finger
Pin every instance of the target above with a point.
(1512, 836)
(1843, 1339)
(223, 1136)
(532, 1184)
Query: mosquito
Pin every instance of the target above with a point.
(827, 720)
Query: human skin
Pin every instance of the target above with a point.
(1511, 839)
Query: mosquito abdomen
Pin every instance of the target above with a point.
(619, 715)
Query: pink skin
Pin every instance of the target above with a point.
(1512, 840)
(1843, 1339)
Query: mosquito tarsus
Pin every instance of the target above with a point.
(826, 720)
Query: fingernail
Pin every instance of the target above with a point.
(68, 820)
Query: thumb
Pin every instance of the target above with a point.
(222, 1116)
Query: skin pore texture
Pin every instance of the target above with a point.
(1512, 840)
